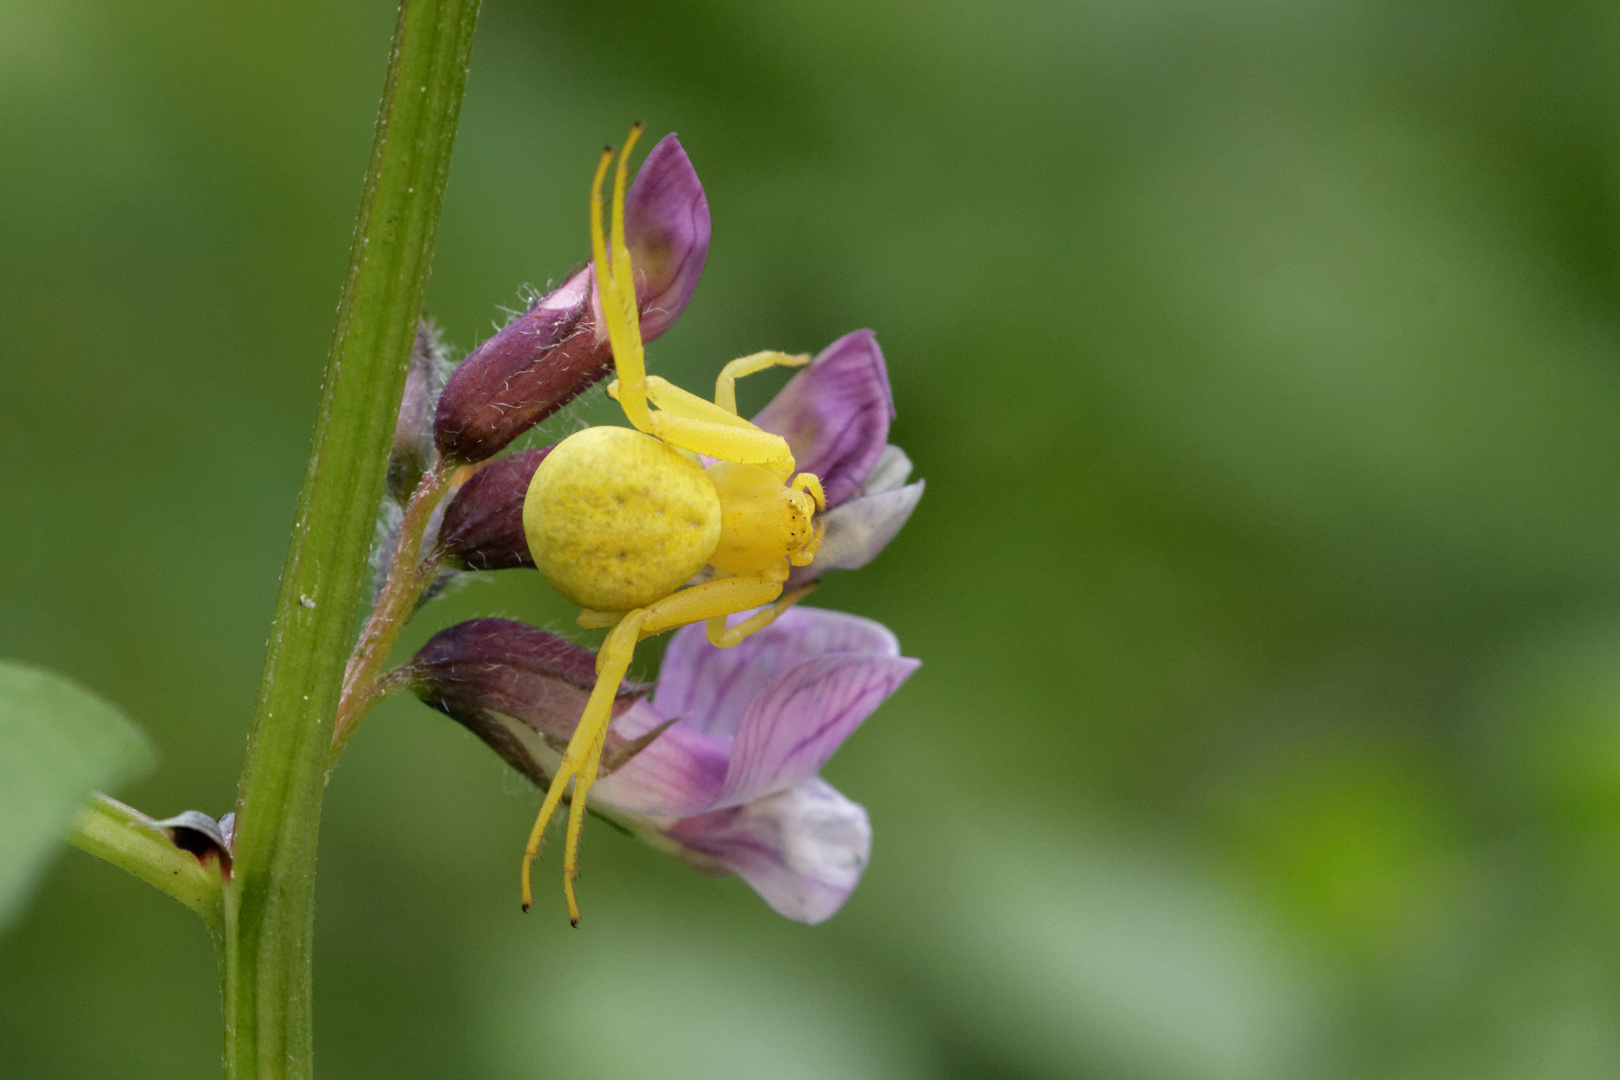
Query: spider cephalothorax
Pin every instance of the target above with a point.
(619, 520)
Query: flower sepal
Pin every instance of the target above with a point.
(518, 688)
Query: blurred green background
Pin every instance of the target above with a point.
(1263, 362)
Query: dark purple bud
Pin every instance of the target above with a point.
(535, 365)
(483, 525)
(518, 688)
(552, 353)
(413, 451)
(835, 414)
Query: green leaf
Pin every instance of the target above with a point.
(58, 743)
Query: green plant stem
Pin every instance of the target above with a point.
(127, 838)
(269, 902)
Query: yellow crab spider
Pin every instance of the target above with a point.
(620, 519)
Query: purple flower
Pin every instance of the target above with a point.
(557, 349)
(835, 415)
(721, 766)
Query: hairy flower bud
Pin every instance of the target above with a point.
(557, 349)
(413, 452)
(518, 688)
(483, 525)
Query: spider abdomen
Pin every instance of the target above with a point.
(616, 519)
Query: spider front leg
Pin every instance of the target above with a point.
(616, 286)
(716, 599)
(688, 422)
(725, 387)
(583, 756)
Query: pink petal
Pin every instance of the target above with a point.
(835, 414)
(796, 723)
(681, 772)
(711, 689)
(803, 850)
(666, 227)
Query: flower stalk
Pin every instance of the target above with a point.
(410, 571)
(269, 902)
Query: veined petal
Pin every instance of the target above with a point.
(681, 772)
(835, 414)
(893, 469)
(793, 726)
(803, 850)
(666, 227)
(711, 689)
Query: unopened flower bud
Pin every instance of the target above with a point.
(413, 452)
(483, 525)
(556, 350)
(518, 688)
